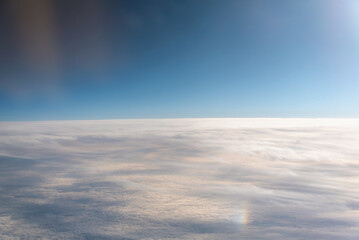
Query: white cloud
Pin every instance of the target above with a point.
(180, 178)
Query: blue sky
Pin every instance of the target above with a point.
(167, 59)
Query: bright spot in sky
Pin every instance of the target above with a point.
(243, 216)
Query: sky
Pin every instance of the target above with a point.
(100, 59)
(252, 179)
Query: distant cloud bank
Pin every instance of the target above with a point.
(180, 178)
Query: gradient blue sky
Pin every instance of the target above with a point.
(166, 59)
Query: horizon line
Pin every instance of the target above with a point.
(177, 118)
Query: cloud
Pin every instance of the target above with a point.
(184, 179)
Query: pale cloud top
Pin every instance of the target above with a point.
(180, 178)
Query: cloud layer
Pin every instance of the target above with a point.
(180, 178)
